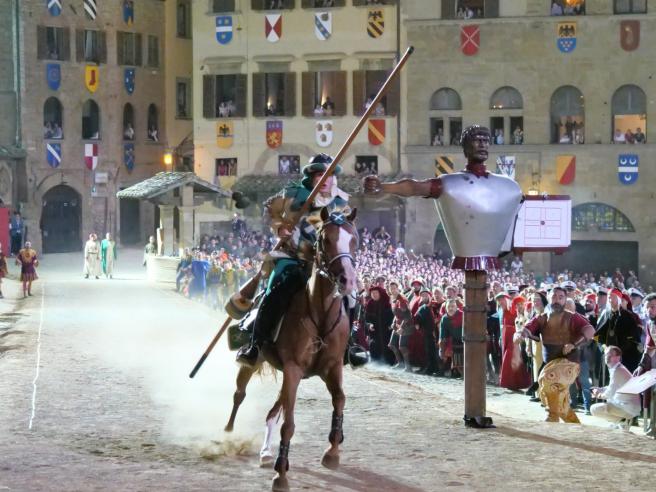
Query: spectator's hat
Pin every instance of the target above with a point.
(318, 164)
(426, 290)
(616, 292)
(501, 295)
(568, 285)
(602, 291)
(512, 289)
(633, 292)
(417, 280)
(591, 297)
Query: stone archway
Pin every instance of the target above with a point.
(61, 220)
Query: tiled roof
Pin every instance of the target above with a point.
(166, 181)
(270, 184)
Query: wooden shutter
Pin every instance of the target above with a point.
(138, 50)
(120, 59)
(338, 91)
(359, 88)
(257, 4)
(491, 8)
(307, 4)
(102, 46)
(79, 45)
(393, 98)
(449, 9)
(289, 94)
(307, 91)
(66, 44)
(41, 43)
(259, 94)
(241, 87)
(209, 106)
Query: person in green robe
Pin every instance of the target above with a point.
(108, 255)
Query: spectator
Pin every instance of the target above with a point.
(639, 136)
(438, 138)
(619, 137)
(518, 136)
(16, 232)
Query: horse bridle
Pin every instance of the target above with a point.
(324, 266)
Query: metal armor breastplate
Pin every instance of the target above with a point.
(478, 213)
(556, 331)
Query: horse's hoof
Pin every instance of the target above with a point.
(280, 484)
(330, 461)
(266, 461)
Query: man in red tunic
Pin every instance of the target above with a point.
(562, 333)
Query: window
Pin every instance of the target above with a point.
(365, 165)
(128, 46)
(153, 123)
(221, 6)
(183, 19)
(90, 46)
(52, 119)
(53, 43)
(507, 122)
(366, 84)
(469, 9)
(274, 94)
(153, 51)
(183, 98)
(272, 4)
(445, 117)
(322, 4)
(90, 120)
(360, 3)
(629, 108)
(567, 116)
(599, 216)
(630, 6)
(224, 96)
(567, 7)
(128, 122)
(324, 93)
(226, 167)
(289, 164)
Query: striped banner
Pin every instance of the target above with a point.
(443, 165)
(91, 9)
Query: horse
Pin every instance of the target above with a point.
(312, 341)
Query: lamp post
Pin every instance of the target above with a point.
(168, 159)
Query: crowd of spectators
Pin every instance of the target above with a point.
(629, 137)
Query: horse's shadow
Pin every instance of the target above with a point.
(358, 479)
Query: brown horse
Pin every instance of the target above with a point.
(312, 341)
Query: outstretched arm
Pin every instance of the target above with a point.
(428, 188)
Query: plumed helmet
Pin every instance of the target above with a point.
(317, 164)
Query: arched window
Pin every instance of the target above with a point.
(507, 122)
(567, 115)
(153, 123)
(90, 120)
(446, 117)
(53, 119)
(629, 108)
(128, 122)
(601, 217)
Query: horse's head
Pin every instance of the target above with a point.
(336, 246)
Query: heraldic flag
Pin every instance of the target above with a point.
(566, 169)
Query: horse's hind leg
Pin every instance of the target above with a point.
(291, 378)
(333, 381)
(243, 377)
(266, 455)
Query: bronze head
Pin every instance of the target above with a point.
(475, 141)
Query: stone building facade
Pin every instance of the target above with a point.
(277, 82)
(569, 82)
(95, 112)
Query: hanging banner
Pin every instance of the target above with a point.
(53, 154)
(323, 25)
(566, 169)
(324, 133)
(629, 34)
(470, 39)
(224, 134)
(91, 156)
(53, 75)
(273, 27)
(128, 12)
(274, 133)
(224, 29)
(128, 80)
(375, 23)
(627, 168)
(566, 36)
(506, 165)
(54, 7)
(91, 78)
(376, 132)
(443, 165)
(91, 9)
(128, 156)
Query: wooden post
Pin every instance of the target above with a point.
(474, 335)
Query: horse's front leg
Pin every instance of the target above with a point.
(243, 378)
(333, 382)
(291, 379)
(266, 454)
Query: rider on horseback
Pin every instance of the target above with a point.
(290, 265)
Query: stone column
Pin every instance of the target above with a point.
(186, 237)
(165, 232)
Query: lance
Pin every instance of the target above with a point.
(247, 292)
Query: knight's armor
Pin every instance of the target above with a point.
(478, 215)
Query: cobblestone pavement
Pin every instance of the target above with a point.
(114, 409)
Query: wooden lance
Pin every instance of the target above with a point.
(248, 290)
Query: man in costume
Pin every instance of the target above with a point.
(28, 261)
(3, 269)
(92, 257)
(562, 333)
(150, 249)
(108, 255)
(289, 266)
(477, 208)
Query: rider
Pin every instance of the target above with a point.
(291, 263)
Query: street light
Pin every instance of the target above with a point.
(168, 158)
